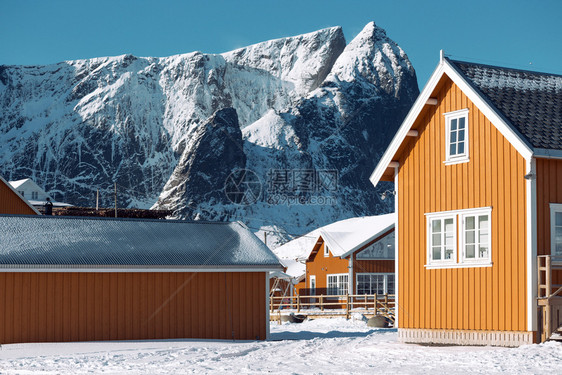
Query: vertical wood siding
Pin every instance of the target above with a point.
(54, 307)
(549, 190)
(11, 203)
(322, 266)
(486, 298)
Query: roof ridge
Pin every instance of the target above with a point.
(504, 68)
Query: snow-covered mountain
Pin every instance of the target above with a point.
(307, 116)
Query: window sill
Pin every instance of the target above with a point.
(457, 265)
(456, 161)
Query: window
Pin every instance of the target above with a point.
(312, 284)
(337, 284)
(556, 228)
(442, 239)
(371, 283)
(382, 249)
(326, 250)
(456, 137)
(476, 237)
(22, 193)
(34, 195)
(473, 233)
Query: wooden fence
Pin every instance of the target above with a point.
(549, 296)
(344, 305)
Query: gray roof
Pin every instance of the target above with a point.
(89, 242)
(531, 102)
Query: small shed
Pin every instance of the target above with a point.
(12, 203)
(85, 278)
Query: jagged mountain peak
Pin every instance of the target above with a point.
(375, 58)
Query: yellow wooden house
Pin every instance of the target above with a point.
(477, 168)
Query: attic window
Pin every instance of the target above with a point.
(34, 195)
(326, 251)
(456, 133)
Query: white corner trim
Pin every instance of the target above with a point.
(396, 252)
(531, 197)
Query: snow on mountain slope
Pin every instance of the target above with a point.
(307, 105)
(78, 126)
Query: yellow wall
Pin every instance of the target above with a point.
(486, 298)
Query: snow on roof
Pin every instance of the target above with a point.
(296, 269)
(49, 242)
(342, 237)
(18, 183)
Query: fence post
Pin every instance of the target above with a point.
(321, 302)
(375, 303)
(386, 302)
(298, 303)
(347, 305)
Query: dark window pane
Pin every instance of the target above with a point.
(461, 148)
(461, 123)
(454, 124)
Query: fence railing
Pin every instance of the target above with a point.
(377, 304)
(549, 295)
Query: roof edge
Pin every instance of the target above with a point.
(22, 198)
(379, 234)
(137, 268)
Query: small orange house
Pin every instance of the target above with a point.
(12, 203)
(353, 256)
(477, 169)
(86, 279)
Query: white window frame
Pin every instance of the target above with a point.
(441, 216)
(34, 195)
(326, 250)
(476, 213)
(458, 158)
(339, 277)
(554, 208)
(385, 280)
(312, 284)
(458, 252)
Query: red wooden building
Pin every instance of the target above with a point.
(83, 279)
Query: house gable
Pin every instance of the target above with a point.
(12, 203)
(409, 130)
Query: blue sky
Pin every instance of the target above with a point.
(516, 33)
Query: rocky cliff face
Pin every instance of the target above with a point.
(296, 112)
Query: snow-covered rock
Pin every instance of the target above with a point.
(303, 103)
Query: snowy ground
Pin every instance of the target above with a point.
(320, 346)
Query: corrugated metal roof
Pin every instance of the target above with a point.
(89, 242)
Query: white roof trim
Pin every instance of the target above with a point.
(351, 251)
(445, 67)
(18, 194)
(338, 251)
